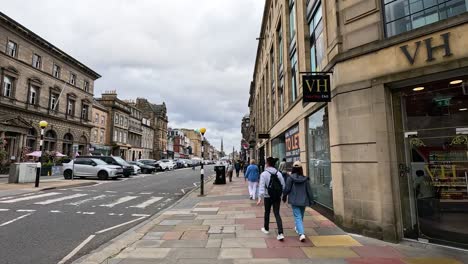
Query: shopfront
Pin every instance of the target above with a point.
(293, 150)
(278, 148)
(318, 145)
(432, 134)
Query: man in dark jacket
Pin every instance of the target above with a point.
(299, 195)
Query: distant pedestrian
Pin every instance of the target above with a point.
(230, 170)
(237, 166)
(271, 189)
(299, 195)
(252, 175)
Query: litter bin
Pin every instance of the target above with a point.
(220, 175)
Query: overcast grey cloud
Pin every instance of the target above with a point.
(197, 56)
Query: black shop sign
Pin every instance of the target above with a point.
(316, 88)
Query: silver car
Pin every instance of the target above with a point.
(88, 167)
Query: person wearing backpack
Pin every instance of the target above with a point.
(299, 195)
(271, 189)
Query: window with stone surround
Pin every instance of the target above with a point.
(316, 37)
(72, 78)
(292, 20)
(36, 61)
(12, 48)
(86, 86)
(53, 101)
(405, 15)
(84, 112)
(71, 107)
(56, 71)
(33, 95)
(294, 77)
(7, 86)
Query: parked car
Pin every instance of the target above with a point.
(90, 167)
(166, 164)
(179, 163)
(115, 160)
(136, 169)
(145, 169)
(151, 162)
(188, 163)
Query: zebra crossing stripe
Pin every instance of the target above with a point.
(30, 197)
(148, 202)
(119, 201)
(61, 199)
(99, 197)
(4, 210)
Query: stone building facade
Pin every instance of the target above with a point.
(147, 139)
(100, 139)
(118, 125)
(195, 140)
(40, 82)
(397, 119)
(135, 132)
(157, 114)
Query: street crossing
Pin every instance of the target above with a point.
(137, 201)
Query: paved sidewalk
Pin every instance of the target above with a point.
(224, 227)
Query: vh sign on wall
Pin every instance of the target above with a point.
(316, 88)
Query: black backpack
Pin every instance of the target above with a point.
(275, 189)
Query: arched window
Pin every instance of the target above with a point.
(67, 144)
(50, 141)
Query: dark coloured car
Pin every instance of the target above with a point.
(151, 162)
(115, 160)
(145, 169)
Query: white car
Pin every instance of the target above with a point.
(88, 167)
(136, 169)
(166, 164)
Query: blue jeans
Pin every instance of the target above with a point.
(298, 212)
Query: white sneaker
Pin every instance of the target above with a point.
(302, 238)
(280, 237)
(265, 231)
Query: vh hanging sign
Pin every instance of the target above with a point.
(316, 88)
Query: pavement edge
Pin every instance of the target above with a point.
(122, 241)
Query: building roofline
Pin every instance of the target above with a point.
(44, 43)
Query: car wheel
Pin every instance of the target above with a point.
(67, 174)
(102, 175)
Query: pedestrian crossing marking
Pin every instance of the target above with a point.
(25, 210)
(147, 203)
(55, 211)
(146, 193)
(88, 213)
(4, 210)
(30, 197)
(119, 201)
(61, 199)
(99, 197)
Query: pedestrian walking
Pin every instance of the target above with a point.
(237, 166)
(271, 189)
(230, 170)
(252, 175)
(299, 196)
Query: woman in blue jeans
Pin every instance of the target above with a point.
(299, 195)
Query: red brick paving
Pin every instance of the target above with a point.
(172, 236)
(286, 253)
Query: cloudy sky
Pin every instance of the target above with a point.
(197, 56)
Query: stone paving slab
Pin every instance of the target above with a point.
(224, 227)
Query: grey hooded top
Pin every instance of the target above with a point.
(298, 190)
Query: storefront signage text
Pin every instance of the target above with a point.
(429, 48)
(292, 145)
(316, 88)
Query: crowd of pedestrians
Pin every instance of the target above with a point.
(273, 185)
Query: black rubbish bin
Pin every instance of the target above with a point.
(220, 175)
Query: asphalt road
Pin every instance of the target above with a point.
(45, 227)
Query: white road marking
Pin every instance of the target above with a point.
(147, 203)
(4, 210)
(6, 198)
(30, 197)
(195, 184)
(119, 201)
(88, 213)
(74, 251)
(89, 199)
(146, 193)
(117, 226)
(183, 191)
(138, 215)
(55, 211)
(61, 199)
(111, 214)
(130, 192)
(111, 192)
(14, 220)
(25, 211)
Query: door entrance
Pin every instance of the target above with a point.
(434, 125)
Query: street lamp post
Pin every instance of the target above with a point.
(42, 125)
(202, 171)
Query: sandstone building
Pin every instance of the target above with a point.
(40, 82)
(387, 157)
